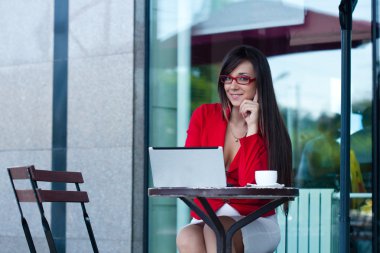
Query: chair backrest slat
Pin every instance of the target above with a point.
(62, 196)
(19, 172)
(26, 195)
(57, 176)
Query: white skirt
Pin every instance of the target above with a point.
(260, 236)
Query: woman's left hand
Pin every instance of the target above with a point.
(250, 112)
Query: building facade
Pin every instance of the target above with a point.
(72, 98)
(89, 85)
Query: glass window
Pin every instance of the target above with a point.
(188, 40)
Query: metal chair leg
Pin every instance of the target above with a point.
(28, 235)
(48, 235)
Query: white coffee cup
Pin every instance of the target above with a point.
(266, 177)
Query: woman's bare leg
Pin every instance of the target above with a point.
(210, 238)
(191, 240)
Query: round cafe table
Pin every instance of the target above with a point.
(276, 197)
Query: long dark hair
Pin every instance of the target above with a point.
(271, 124)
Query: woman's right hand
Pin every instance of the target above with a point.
(250, 111)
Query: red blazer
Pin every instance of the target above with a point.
(207, 128)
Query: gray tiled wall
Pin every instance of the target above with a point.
(100, 115)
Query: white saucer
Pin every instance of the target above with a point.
(276, 185)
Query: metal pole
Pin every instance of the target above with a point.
(345, 15)
(375, 128)
(344, 218)
(59, 117)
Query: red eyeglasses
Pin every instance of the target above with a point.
(243, 80)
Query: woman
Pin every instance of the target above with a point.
(248, 124)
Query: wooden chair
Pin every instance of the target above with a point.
(40, 196)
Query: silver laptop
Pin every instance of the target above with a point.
(187, 167)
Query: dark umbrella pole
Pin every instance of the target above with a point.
(375, 129)
(346, 8)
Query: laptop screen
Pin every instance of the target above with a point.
(187, 167)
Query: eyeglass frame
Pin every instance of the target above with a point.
(236, 79)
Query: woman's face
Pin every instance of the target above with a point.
(236, 92)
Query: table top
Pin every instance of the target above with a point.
(225, 192)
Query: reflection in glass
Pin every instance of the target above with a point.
(320, 159)
(361, 143)
(188, 39)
